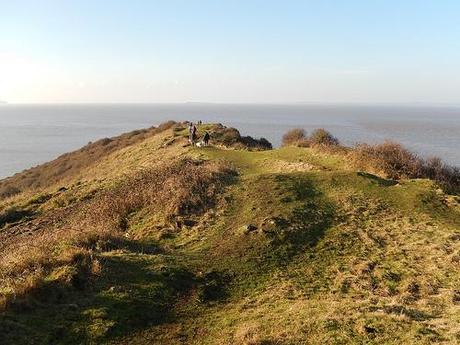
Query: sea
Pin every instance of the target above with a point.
(33, 134)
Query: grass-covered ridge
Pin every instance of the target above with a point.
(159, 242)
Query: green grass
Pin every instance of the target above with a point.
(299, 249)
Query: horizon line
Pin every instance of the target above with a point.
(325, 103)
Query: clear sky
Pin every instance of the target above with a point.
(230, 51)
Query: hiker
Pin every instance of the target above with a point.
(192, 133)
(206, 138)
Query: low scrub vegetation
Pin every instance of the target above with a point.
(231, 137)
(319, 137)
(322, 137)
(388, 159)
(447, 176)
(293, 137)
(393, 161)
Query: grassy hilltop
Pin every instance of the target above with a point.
(143, 239)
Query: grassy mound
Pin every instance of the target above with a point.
(166, 243)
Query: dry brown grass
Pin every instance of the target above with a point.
(69, 164)
(69, 251)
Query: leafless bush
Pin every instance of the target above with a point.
(322, 137)
(389, 159)
(448, 177)
(394, 161)
(293, 137)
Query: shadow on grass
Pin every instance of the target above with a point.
(14, 215)
(380, 181)
(132, 294)
(307, 223)
(133, 291)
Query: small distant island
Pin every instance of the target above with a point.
(150, 237)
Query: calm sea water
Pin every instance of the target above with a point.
(33, 134)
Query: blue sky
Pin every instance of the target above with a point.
(230, 51)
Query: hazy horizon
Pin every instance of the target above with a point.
(365, 104)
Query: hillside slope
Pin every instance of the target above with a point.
(158, 242)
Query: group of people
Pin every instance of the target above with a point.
(193, 136)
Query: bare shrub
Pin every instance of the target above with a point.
(319, 137)
(389, 159)
(322, 137)
(293, 137)
(448, 177)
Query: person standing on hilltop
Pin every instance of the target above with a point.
(206, 138)
(190, 132)
(194, 136)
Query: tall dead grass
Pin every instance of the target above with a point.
(183, 188)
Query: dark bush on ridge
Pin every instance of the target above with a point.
(293, 137)
(322, 137)
(231, 137)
